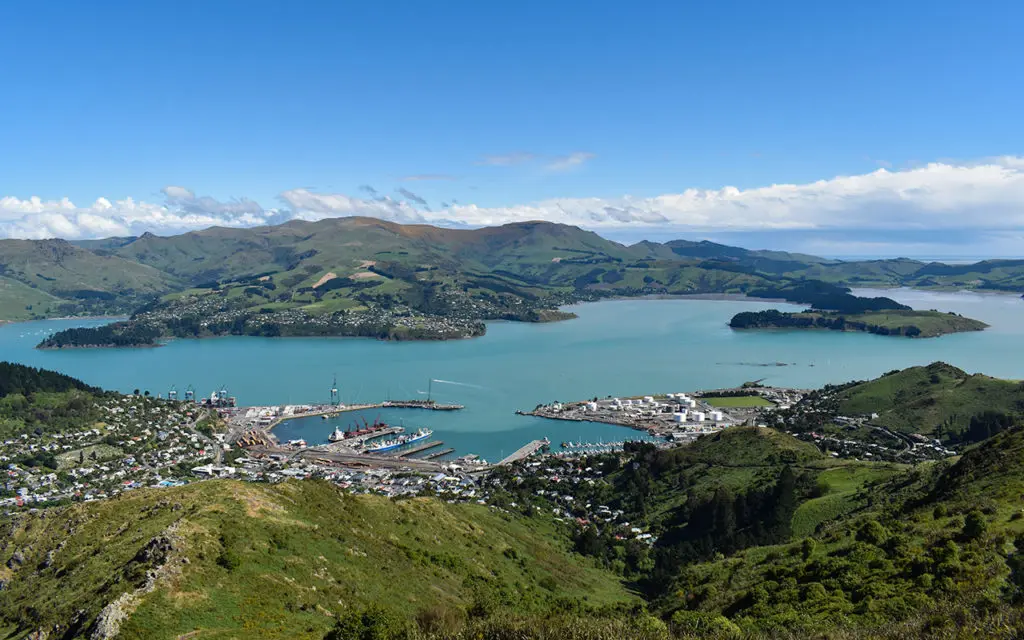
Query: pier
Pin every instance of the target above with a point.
(525, 451)
(430, 405)
(438, 454)
(419, 448)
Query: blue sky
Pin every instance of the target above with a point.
(507, 105)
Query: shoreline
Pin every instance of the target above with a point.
(728, 297)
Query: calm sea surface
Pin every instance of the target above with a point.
(622, 347)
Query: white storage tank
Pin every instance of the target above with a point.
(716, 416)
(591, 406)
(698, 416)
(680, 417)
(648, 398)
(692, 403)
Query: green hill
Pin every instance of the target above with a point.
(937, 399)
(279, 561)
(307, 273)
(71, 279)
(932, 552)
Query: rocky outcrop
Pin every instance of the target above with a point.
(157, 555)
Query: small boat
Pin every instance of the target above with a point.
(297, 443)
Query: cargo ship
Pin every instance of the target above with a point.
(400, 441)
(338, 435)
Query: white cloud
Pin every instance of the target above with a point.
(571, 161)
(306, 205)
(938, 196)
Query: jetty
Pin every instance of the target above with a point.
(429, 405)
(418, 448)
(525, 451)
(438, 454)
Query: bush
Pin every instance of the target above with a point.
(975, 525)
(872, 532)
(372, 623)
(703, 624)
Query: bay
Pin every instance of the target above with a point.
(618, 347)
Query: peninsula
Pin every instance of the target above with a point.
(366, 277)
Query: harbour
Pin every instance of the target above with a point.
(622, 348)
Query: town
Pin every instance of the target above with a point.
(142, 441)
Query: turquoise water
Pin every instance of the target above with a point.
(622, 347)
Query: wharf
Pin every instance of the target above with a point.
(525, 451)
(430, 405)
(438, 454)
(419, 448)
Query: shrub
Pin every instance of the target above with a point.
(372, 623)
(703, 624)
(975, 525)
(872, 532)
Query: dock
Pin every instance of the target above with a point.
(430, 405)
(438, 454)
(525, 451)
(418, 448)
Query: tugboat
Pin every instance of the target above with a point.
(337, 436)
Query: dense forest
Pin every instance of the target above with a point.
(20, 379)
(118, 334)
(38, 401)
(772, 318)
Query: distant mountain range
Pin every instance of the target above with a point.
(359, 265)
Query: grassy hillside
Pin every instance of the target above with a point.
(71, 279)
(517, 271)
(276, 561)
(19, 301)
(938, 399)
(933, 552)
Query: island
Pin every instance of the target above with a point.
(892, 322)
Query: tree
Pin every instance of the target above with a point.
(975, 525)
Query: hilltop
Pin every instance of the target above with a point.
(937, 399)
